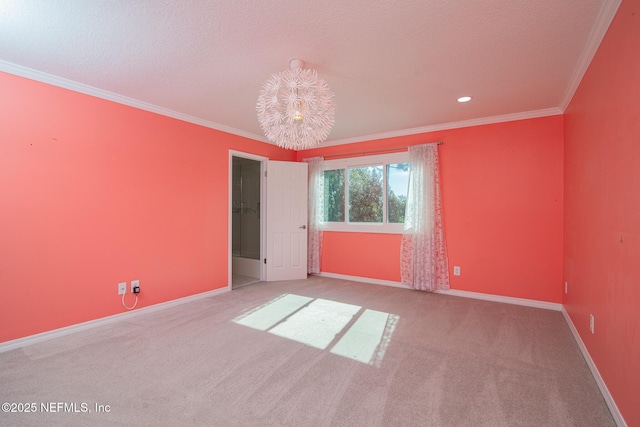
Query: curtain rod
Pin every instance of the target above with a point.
(384, 150)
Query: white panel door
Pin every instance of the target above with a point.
(286, 240)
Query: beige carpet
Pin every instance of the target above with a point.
(318, 352)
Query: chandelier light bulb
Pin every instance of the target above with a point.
(296, 108)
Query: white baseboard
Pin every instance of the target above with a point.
(617, 416)
(507, 300)
(362, 279)
(452, 292)
(56, 333)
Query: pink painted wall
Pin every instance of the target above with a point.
(93, 193)
(360, 254)
(602, 209)
(502, 200)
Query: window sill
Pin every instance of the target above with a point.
(364, 228)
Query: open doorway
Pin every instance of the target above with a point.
(245, 222)
(259, 231)
(246, 225)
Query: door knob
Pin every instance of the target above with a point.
(303, 227)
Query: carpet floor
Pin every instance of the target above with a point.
(316, 352)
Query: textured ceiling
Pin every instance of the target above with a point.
(396, 67)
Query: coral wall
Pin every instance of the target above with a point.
(602, 206)
(94, 193)
(502, 202)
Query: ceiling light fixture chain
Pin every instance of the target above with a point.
(295, 108)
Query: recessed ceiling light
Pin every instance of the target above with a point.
(464, 99)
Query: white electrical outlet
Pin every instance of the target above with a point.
(456, 270)
(122, 288)
(592, 322)
(566, 287)
(135, 284)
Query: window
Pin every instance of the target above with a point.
(334, 195)
(366, 193)
(397, 189)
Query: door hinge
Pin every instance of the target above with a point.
(265, 174)
(265, 260)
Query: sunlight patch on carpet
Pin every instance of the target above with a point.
(317, 324)
(343, 329)
(368, 338)
(269, 314)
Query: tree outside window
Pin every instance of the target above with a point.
(377, 194)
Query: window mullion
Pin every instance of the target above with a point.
(384, 193)
(346, 195)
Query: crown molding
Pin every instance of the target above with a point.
(600, 27)
(446, 126)
(51, 79)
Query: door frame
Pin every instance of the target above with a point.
(263, 213)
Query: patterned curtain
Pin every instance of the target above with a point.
(424, 264)
(315, 214)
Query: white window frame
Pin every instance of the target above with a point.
(357, 162)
